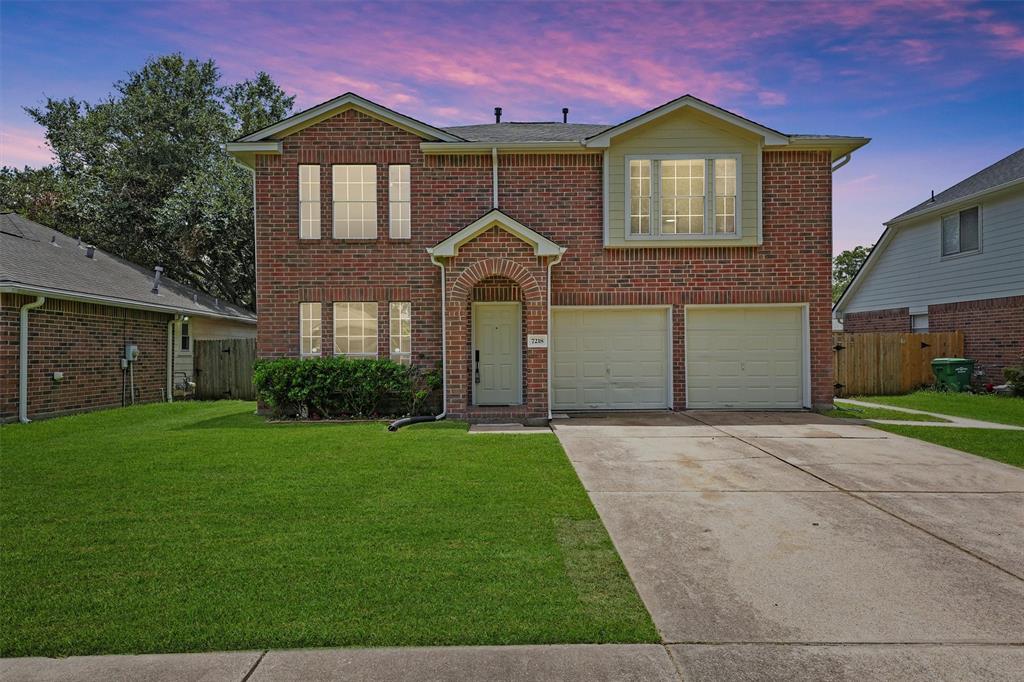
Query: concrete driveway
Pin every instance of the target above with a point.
(779, 545)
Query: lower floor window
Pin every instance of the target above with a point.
(309, 323)
(401, 332)
(355, 329)
(919, 323)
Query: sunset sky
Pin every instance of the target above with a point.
(939, 86)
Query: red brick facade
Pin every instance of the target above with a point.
(993, 331)
(556, 195)
(86, 342)
(891, 320)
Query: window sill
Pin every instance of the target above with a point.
(961, 254)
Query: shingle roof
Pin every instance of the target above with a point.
(527, 132)
(999, 173)
(36, 256)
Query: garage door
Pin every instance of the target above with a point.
(610, 359)
(744, 357)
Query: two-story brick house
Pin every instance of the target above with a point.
(678, 259)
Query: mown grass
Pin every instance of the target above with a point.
(857, 412)
(1000, 445)
(992, 408)
(199, 527)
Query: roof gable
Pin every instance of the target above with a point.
(349, 100)
(542, 246)
(770, 136)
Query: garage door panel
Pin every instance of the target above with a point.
(744, 357)
(621, 356)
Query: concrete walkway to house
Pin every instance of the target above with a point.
(791, 545)
(951, 421)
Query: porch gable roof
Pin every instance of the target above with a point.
(542, 246)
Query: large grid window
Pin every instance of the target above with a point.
(355, 329)
(640, 196)
(399, 202)
(960, 232)
(725, 196)
(309, 202)
(355, 202)
(401, 332)
(309, 324)
(683, 197)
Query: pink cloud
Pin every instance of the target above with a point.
(772, 99)
(23, 147)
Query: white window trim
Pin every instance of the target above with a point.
(318, 201)
(392, 202)
(961, 254)
(334, 327)
(709, 198)
(302, 337)
(335, 202)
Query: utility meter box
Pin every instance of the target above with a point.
(131, 352)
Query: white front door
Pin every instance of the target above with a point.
(497, 354)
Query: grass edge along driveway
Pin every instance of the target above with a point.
(200, 527)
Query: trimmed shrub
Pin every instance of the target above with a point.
(341, 387)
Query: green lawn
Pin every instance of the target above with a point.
(199, 527)
(1002, 446)
(857, 412)
(993, 408)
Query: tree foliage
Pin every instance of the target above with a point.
(845, 267)
(141, 173)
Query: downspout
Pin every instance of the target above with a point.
(399, 423)
(23, 359)
(494, 177)
(170, 358)
(551, 263)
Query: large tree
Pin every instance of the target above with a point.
(845, 267)
(141, 173)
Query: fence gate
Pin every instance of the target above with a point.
(223, 369)
(889, 363)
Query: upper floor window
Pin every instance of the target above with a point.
(309, 202)
(355, 329)
(399, 201)
(683, 196)
(961, 232)
(309, 329)
(355, 201)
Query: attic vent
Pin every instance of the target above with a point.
(497, 114)
(565, 114)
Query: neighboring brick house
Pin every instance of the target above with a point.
(678, 259)
(952, 263)
(82, 308)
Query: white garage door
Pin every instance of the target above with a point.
(610, 358)
(744, 357)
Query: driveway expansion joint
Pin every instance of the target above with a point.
(255, 665)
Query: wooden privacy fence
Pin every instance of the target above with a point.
(889, 363)
(224, 369)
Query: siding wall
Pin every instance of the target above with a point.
(910, 272)
(684, 132)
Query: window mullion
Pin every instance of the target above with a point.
(709, 196)
(655, 198)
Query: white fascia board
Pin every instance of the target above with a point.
(270, 147)
(542, 246)
(31, 290)
(771, 137)
(883, 241)
(349, 98)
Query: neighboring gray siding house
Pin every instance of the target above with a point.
(954, 262)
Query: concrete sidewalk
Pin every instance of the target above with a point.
(951, 421)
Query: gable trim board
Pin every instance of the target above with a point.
(711, 401)
(449, 248)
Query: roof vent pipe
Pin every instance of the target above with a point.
(90, 250)
(497, 114)
(933, 196)
(565, 114)
(156, 279)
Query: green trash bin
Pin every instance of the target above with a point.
(952, 374)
